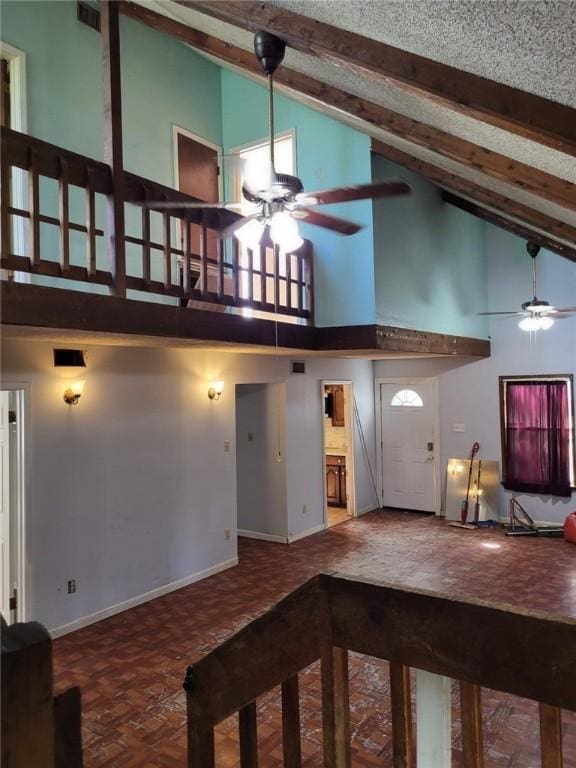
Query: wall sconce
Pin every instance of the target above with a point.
(215, 390)
(74, 392)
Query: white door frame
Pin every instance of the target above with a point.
(19, 119)
(406, 382)
(351, 434)
(23, 479)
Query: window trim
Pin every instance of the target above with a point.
(567, 377)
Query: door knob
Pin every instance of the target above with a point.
(430, 458)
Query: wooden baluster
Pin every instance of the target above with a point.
(146, 245)
(250, 276)
(201, 752)
(187, 250)
(90, 224)
(335, 704)
(551, 736)
(402, 727)
(64, 215)
(291, 745)
(301, 284)
(276, 277)
(236, 268)
(335, 707)
(203, 259)
(263, 271)
(167, 250)
(471, 713)
(34, 209)
(5, 200)
(310, 280)
(248, 736)
(289, 280)
(220, 284)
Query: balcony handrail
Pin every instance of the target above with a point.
(524, 653)
(189, 261)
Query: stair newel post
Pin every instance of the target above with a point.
(335, 698)
(201, 752)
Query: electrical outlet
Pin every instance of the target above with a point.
(227, 534)
(458, 427)
(71, 586)
(226, 446)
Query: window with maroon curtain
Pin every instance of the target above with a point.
(537, 436)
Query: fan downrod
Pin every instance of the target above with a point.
(269, 51)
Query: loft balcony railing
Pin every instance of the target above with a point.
(523, 653)
(55, 205)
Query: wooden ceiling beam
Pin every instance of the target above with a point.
(530, 216)
(511, 109)
(471, 155)
(511, 226)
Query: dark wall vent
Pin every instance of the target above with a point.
(298, 366)
(70, 358)
(88, 15)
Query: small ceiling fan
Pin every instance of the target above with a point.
(280, 197)
(537, 315)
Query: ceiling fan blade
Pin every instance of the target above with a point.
(562, 310)
(232, 228)
(389, 188)
(484, 314)
(174, 204)
(342, 226)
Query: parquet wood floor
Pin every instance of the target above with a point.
(130, 667)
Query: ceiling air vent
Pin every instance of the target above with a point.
(88, 15)
(70, 358)
(298, 366)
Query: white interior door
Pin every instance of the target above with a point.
(5, 506)
(409, 416)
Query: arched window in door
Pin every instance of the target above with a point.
(408, 398)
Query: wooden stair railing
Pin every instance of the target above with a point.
(203, 271)
(526, 654)
(39, 730)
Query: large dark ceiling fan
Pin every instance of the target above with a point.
(280, 198)
(536, 314)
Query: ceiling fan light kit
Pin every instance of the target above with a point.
(537, 315)
(280, 197)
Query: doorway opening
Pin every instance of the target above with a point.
(12, 498)
(338, 452)
(407, 444)
(197, 173)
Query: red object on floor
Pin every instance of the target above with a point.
(570, 528)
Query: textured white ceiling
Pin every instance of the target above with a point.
(529, 45)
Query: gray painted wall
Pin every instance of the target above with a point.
(469, 391)
(131, 490)
(260, 458)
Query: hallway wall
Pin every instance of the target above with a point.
(132, 490)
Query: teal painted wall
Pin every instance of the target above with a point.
(328, 154)
(163, 83)
(429, 260)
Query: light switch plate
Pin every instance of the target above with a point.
(226, 446)
(459, 427)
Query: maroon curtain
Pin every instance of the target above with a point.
(537, 437)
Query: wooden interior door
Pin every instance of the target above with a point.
(5, 121)
(198, 176)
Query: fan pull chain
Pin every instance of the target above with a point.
(271, 117)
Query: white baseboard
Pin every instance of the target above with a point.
(365, 510)
(139, 599)
(263, 536)
(309, 532)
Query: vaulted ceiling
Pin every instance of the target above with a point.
(490, 116)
